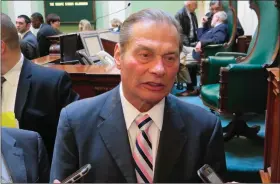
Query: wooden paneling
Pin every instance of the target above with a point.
(91, 80)
(272, 134)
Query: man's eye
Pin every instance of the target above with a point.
(144, 56)
(170, 58)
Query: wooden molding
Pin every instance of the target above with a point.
(204, 64)
(257, 10)
(234, 27)
(223, 88)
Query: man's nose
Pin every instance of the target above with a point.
(158, 67)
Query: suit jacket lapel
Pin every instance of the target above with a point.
(14, 158)
(23, 88)
(172, 140)
(114, 135)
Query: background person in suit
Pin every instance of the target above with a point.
(214, 8)
(216, 35)
(23, 157)
(188, 21)
(28, 43)
(36, 94)
(54, 21)
(45, 30)
(175, 139)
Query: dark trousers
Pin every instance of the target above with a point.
(193, 69)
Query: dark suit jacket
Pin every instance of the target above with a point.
(42, 93)
(184, 20)
(93, 131)
(44, 43)
(214, 35)
(25, 156)
(29, 46)
(239, 28)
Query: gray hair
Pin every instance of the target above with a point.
(153, 15)
(222, 15)
(9, 32)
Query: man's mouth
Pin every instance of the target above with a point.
(153, 86)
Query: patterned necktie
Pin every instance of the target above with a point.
(143, 151)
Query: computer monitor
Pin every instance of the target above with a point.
(92, 43)
(68, 47)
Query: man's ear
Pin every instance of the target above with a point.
(3, 47)
(117, 55)
(28, 26)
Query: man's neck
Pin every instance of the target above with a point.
(22, 34)
(10, 63)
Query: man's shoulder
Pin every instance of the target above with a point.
(222, 26)
(22, 136)
(29, 37)
(41, 73)
(46, 29)
(180, 12)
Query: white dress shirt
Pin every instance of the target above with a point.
(10, 87)
(191, 24)
(155, 113)
(23, 34)
(5, 176)
(217, 24)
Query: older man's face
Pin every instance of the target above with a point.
(150, 62)
(215, 20)
(192, 6)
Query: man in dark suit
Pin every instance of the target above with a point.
(216, 35)
(24, 158)
(44, 31)
(34, 93)
(188, 21)
(215, 6)
(28, 42)
(138, 132)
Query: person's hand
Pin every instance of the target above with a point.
(56, 181)
(198, 47)
(204, 19)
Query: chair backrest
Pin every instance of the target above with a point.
(230, 7)
(252, 43)
(266, 45)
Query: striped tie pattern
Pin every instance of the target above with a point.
(142, 153)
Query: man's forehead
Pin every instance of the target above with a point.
(20, 19)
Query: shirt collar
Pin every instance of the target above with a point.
(130, 112)
(218, 23)
(23, 34)
(10, 75)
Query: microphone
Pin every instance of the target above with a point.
(94, 23)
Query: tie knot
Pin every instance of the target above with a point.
(143, 121)
(2, 79)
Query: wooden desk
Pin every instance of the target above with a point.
(272, 134)
(91, 80)
(46, 59)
